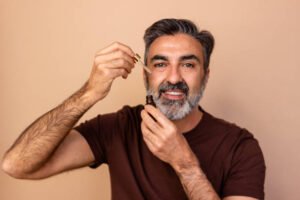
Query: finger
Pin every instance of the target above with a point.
(149, 144)
(116, 64)
(113, 73)
(113, 69)
(161, 118)
(115, 46)
(150, 122)
(120, 72)
(148, 135)
(121, 64)
(107, 57)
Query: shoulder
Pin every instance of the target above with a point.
(239, 143)
(240, 157)
(229, 138)
(226, 128)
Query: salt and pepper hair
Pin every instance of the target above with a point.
(175, 26)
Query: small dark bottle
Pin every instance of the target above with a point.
(149, 100)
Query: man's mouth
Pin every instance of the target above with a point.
(174, 94)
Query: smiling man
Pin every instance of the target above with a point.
(179, 76)
(173, 151)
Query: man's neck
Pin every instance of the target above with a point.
(190, 121)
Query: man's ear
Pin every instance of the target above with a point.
(206, 76)
(207, 71)
(144, 77)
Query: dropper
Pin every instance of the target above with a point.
(138, 58)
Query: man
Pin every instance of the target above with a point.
(174, 151)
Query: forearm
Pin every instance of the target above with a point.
(37, 143)
(194, 181)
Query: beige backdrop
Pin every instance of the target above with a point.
(47, 48)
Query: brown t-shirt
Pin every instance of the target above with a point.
(230, 157)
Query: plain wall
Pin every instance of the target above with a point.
(47, 49)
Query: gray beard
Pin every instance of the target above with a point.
(177, 109)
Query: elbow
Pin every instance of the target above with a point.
(15, 170)
(11, 169)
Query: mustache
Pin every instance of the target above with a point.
(169, 86)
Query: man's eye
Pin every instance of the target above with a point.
(189, 65)
(159, 65)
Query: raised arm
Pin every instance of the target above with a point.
(49, 145)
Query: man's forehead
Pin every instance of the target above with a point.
(177, 41)
(175, 46)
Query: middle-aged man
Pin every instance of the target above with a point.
(174, 151)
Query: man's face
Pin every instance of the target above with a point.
(178, 79)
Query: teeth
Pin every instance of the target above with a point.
(174, 93)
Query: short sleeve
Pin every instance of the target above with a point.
(247, 172)
(97, 133)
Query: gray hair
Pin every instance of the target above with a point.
(174, 26)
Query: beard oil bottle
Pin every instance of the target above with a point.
(150, 101)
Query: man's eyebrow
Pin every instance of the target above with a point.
(158, 57)
(190, 57)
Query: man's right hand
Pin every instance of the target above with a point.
(49, 145)
(111, 62)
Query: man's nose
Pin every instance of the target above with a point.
(174, 75)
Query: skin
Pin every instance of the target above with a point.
(50, 146)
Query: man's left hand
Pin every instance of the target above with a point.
(164, 139)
